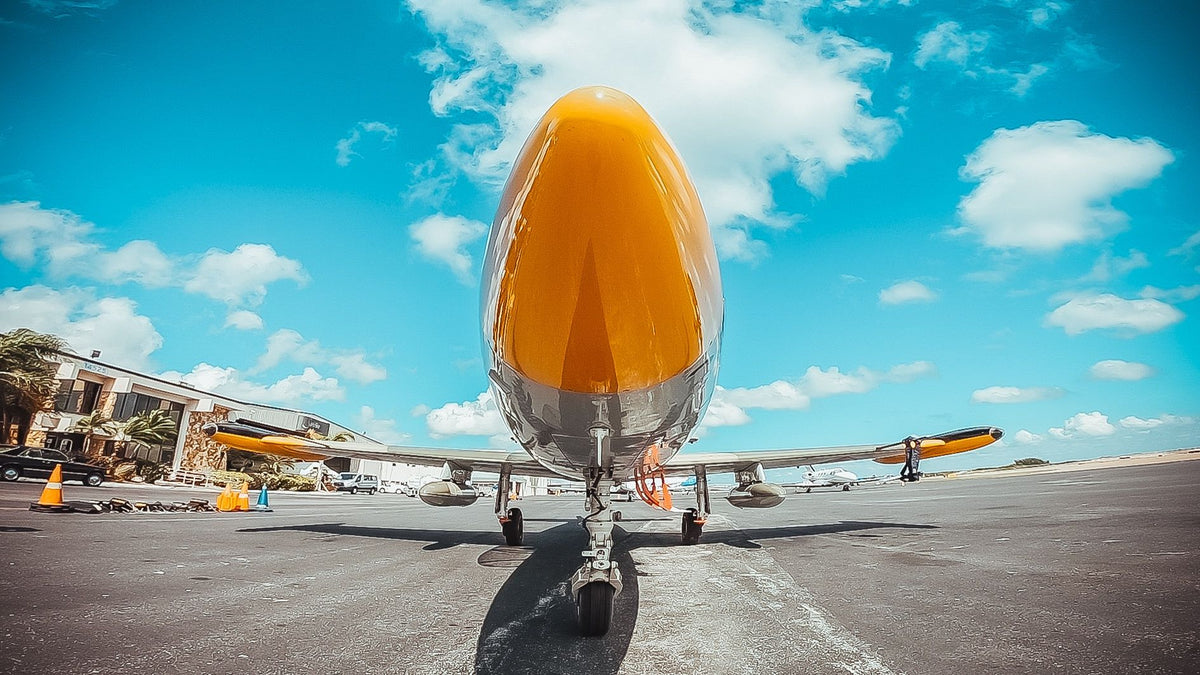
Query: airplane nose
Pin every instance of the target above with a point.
(601, 276)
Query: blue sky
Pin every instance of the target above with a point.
(930, 214)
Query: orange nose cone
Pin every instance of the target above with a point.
(601, 274)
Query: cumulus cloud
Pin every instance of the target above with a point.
(1092, 424)
(471, 418)
(30, 234)
(345, 146)
(380, 429)
(948, 42)
(745, 92)
(240, 277)
(1116, 369)
(244, 319)
(1142, 425)
(906, 292)
(85, 321)
(1051, 184)
(1179, 294)
(1109, 266)
(1188, 246)
(444, 239)
(287, 344)
(1025, 437)
(65, 244)
(1128, 317)
(309, 385)
(1015, 394)
(728, 405)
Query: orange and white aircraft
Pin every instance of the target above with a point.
(602, 314)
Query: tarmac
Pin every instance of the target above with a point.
(1096, 569)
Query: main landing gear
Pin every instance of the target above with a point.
(512, 522)
(694, 519)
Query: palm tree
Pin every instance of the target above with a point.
(27, 384)
(95, 422)
(149, 428)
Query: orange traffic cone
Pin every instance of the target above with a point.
(225, 502)
(243, 498)
(52, 494)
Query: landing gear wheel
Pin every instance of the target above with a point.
(514, 529)
(691, 529)
(594, 606)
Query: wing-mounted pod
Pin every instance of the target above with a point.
(452, 490)
(752, 491)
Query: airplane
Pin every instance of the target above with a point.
(837, 477)
(601, 314)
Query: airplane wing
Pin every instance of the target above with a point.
(257, 437)
(948, 443)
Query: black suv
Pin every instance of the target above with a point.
(39, 462)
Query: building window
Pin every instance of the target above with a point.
(77, 396)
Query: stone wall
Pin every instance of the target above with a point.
(201, 453)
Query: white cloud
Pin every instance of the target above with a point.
(244, 319)
(947, 42)
(86, 322)
(380, 429)
(1142, 425)
(1015, 394)
(293, 389)
(745, 92)
(1043, 15)
(1180, 294)
(906, 292)
(345, 146)
(1093, 424)
(1188, 246)
(287, 344)
(241, 277)
(1024, 437)
(472, 418)
(731, 404)
(1023, 81)
(1108, 266)
(444, 239)
(62, 240)
(1051, 184)
(1132, 317)
(1116, 369)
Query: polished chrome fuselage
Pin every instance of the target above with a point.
(601, 298)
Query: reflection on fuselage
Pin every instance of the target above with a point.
(601, 301)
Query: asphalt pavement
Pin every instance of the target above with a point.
(1083, 572)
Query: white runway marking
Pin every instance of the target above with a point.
(718, 608)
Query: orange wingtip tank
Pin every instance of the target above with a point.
(950, 443)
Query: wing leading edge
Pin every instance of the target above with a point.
(938, 445)
(257, 437)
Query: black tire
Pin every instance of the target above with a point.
(514, 529)
(691, 529)
(373, 491)
(93, 479)
(594, 608)
(353, 490)
(845, 488)
(11, 473)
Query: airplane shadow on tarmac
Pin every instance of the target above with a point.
(530, 625)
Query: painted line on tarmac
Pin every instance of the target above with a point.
(719, 608)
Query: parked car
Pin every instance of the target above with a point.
(396, 487)
(30, 462)
(356, 482)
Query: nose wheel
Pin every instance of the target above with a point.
(693, 527)
(594, 608)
